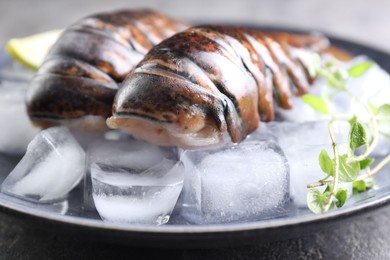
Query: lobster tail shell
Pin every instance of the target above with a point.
(81, 72)
(227, 77)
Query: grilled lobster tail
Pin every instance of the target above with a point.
(199, 84)
(80, 75)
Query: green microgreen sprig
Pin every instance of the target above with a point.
(353, 166)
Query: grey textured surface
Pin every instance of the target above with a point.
(366, 237)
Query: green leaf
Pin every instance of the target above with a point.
(337, 79)
(366, 162)
(363, 185)
(359, 69)
(357, 135)
(348, 171)
(352, 121)
(341, 76)
(359, 185)
(329, 64)
(341, 196)
(326, 163)
(316, 103)
(316, 200)
(383, 119)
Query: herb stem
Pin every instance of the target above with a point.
(341, 117)
(377, 168)
(318, 184)
(336, 168)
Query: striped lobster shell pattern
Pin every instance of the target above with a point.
(223, 76)
(81, 72)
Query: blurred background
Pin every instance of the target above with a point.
(364, 21)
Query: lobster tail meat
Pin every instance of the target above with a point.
(81, 72)
(194, 88)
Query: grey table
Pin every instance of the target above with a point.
(364, 237)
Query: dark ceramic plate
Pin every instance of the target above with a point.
(71, 217)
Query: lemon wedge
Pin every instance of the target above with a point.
(31, 50)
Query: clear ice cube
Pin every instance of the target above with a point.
(109, 147)
(60, 207)
(128, 153)
(134, 182)
(383, 147)
(16, 131)
(373, 85)
(302, 144)
(300, 108)
(52, 166)
(85, 138)
(291, 134)
(243, 182)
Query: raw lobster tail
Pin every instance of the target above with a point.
(199, 84)
(80, 75)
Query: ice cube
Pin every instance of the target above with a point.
(373, 85)
(85, 138)
(302, 144)
(54, 207)
(128, 153)
(243, 182)
(291, 134)
(305, 169)
(383, 147)
(16, 131)
(88, 139)
(300, 111)
(133, 181)
(52, 166)
(122, 151)
(116, 135)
